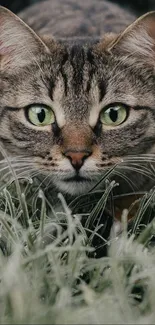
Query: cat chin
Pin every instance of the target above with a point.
(74, 188)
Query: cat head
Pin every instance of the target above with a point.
(72, 110)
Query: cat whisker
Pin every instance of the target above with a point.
(49, 183)
(10, 158)
(132, 164)
(18, 165)
(143, 164)
(9, 173)
(138, 170)
(32, 173)
(145, 158)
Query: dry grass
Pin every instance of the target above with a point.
(48, 270)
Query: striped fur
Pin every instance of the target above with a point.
(77, 77)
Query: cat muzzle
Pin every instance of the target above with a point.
(77, 158)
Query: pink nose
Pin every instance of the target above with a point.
(77, 158)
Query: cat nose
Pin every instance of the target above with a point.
(77, 158)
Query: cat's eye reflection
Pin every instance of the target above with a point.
(40, 115)
(114, 115)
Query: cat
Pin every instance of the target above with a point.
(74, 103)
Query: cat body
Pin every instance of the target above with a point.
(70, 18)
(74, 104)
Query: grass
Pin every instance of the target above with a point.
(63, 264)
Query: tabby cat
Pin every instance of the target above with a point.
(74, 103)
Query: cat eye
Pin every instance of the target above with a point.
(40, 115)
(114, 115)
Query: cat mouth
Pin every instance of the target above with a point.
(76, 178)
(74, 185)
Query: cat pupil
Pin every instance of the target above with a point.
(113, 114)
(41, 115)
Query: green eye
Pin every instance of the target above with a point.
(40, 115)
(114, 115)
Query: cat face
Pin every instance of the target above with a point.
(72, 110)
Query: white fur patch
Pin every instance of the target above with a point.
(74, 188)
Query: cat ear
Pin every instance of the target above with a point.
(18, 43)
(138, 39)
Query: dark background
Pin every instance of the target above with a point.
(138, 6)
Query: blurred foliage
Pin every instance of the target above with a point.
(139, 6)
(16, 5)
